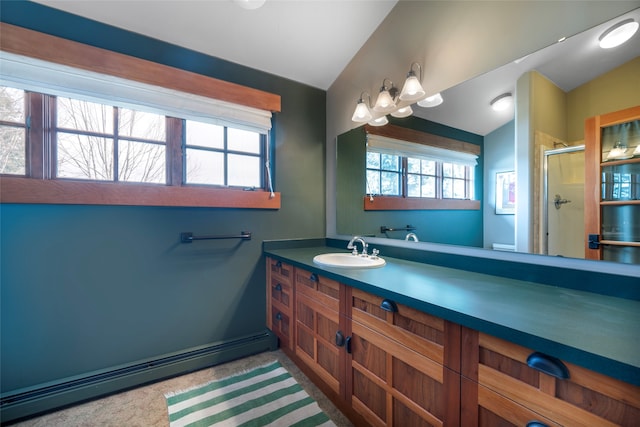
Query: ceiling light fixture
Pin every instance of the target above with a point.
(502, 102)
(618, 34)
(412, 89)
(249, 4)
(431, 101)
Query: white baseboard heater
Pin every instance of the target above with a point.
(37, 400)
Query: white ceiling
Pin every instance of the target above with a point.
(312, 41)
(308, 41)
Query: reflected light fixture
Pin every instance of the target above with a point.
(402, 112)
(385, 102)
(431, 101)
(380, 121)
(412, 89)
(502, 102)
(362, 113)
(249, 4)
(618, 34)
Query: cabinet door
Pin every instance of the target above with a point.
(395, 372)
(280, 300)
(612, 186)
(318, 327)
(585, 398)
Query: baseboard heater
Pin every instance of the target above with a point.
(52, 396)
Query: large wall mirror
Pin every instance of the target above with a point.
(570, 81)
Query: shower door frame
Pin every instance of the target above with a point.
(545, 190)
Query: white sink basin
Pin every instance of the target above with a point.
(346, 260)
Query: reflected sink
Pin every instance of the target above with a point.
(347, 260)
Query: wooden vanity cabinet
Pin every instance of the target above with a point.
(318, 327)
(499, 388)
(396, 373)
(280, 301)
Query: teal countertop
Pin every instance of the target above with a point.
(597, 332)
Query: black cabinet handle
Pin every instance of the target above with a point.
(347, 344)
(313, 277)
(278, 287)
(279, 264)
(339, 339)
(279, 316)
(536, 424)
(389, 305)
(548, 364)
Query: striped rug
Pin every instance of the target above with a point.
(264, 396)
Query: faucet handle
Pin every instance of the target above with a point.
(374, 253)
(364, 249)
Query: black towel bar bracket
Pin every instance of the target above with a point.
(384, 228)
(188, 237)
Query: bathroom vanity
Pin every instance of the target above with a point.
(419, 344)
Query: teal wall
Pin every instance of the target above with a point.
(85, 288)
(456, 227)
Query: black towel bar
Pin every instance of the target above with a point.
(188, 237)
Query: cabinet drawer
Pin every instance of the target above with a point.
(282, 270)
(425, 334)
(281, 293)
(319, 288)
(281, 326)
(584, 398)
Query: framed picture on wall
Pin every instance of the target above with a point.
(506, 193)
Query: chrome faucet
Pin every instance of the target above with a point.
(351, 245)
(411, 236)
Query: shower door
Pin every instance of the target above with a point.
(612, 187)
(564, 202)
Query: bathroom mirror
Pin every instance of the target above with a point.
(465, 110)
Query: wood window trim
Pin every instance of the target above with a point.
(34, 189)
(57, 191)
(412, 135)
(391, 203)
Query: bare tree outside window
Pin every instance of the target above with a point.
(12, 131)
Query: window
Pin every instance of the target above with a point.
(425, 174)
(12, 131)
(99, 127)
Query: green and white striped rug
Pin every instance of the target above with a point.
(266, 395)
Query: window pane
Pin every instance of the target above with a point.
(373, 182)
(413, 165)
(390, 162)
(138, 124)
(243, 140)
(458, 189)
(11, 104)
(141, 162)
(205, 135)
(428, 167)
(447, 169)
(84, 116)
(429, 186)
(373, 160)
(244, 171)
(447, 188)
(204, 167)
(84, 157)
(390, 183)
(12, 150)
(413, 185)
(458, 171)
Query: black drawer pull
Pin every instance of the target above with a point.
(279, 264)
(389, 305)
(347, 344)
(278, 287)
(313, 277)
(339, 339)
(278, 316)
(536, 424)
(548, 364)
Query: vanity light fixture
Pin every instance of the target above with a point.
(362, 114)
(502, 102)
(412, 89)
(618, 34)
(402, 112)
(386, 98)
(431, 101)
(380, 121)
